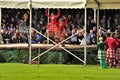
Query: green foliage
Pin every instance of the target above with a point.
(14, 55)
(52, 57)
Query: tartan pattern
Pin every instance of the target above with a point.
(54, 32)
(118, 53)
(52, 29)
(118, 57)
(62, 35)
(110, 57)
(101, 54)
(110, 53)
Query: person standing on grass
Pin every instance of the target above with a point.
(112, 43)
(117, 37)
(101, 53)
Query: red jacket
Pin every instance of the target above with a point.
(112, 43)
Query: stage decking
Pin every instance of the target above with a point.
(45, 46)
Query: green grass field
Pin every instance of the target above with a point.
(15, 71)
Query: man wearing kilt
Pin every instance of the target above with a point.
(101, 53)
(112, 43)
(118, 55)
(117, 37)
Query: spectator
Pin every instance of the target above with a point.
(93, 40)
(74, 38)
(39, 38)
(6, 37)
(89, 36)
(79, 38)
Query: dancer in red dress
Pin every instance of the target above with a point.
(110, 54)
(52, 28)
(62, 31)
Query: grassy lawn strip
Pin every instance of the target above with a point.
(16, 71)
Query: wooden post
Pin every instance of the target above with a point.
(0, 18)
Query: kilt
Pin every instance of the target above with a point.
(52, 29)
(110, 53)
(101, 54)
(118, 53)
(62, 35)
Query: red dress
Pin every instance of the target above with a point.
(61, 29)
(52, 26)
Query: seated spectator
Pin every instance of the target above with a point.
(93, 40)
(6, 37)
(14, 38)
(79, 38)
(39, 38)
(74, 38)
(89, 36)
(94, 30)
(22, 38)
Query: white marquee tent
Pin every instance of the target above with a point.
(103, 4)
(43, 3)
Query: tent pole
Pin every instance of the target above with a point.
(94, 14)
(0, 25)
(30, 31)
(1, 38)
(0, 17)
(98, 13)
(97, 23)
(85, 26)
(48, 22)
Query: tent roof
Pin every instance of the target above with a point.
(14, 3)
(104, 4)
(43, 3)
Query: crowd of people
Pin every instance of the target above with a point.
(12, 19)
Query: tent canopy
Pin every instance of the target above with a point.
(14, 4)
(103, 4)
(43, 3)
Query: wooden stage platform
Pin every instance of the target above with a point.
(45, 46)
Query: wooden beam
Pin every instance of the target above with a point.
(45, 46)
